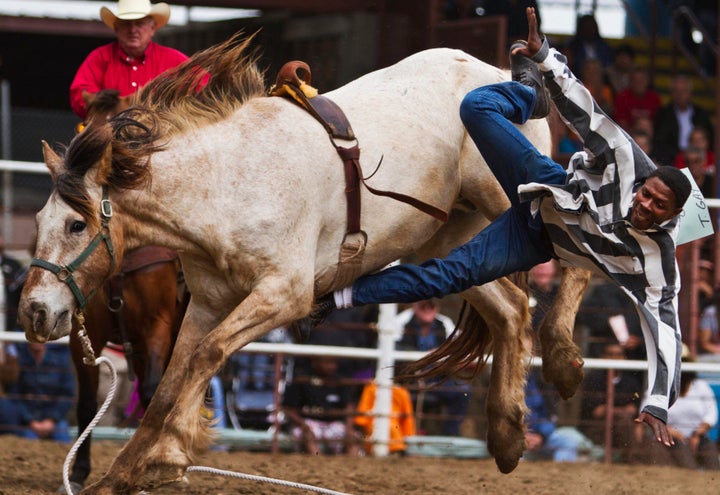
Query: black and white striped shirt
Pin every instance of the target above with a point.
(588, 222)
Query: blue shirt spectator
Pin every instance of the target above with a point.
(44, 392)
(542, 436)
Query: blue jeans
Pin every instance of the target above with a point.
(512, 242)
(9, 416)
(61, 433)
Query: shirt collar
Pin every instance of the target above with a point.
(122, 56)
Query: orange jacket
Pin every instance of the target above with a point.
(402, 420)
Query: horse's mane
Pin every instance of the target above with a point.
(173, 102)
(178, 104)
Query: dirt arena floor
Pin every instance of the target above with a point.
(33, 467)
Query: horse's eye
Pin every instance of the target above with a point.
(77, 226)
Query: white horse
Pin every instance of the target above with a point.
(249, 190)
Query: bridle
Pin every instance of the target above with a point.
(64, 273)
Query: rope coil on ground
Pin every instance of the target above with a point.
(263, 479)
(91, 360)
(105, 405)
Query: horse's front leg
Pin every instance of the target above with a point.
(131, 462)
(503, 306)
(562, 359)
(173, 429)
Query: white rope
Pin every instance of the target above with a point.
(111, 393)
(263, 479)
(90, 359)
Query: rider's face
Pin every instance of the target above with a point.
(654, 203)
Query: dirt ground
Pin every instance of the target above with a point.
(34, 467)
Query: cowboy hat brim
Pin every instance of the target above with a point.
(160, 12)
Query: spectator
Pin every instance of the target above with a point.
(402, 421)
(320, 409)
(350, 327)
(543, 288)
(594, 409)
(565, 139)
(592, 77)
(587, 44)
(675, 121)
(643, 140)
(695, 160)
(618, 73)
(543, 437)
(13, 277)
(636, 101)
(699, 139)
(708, 333)
(706, 280)
(689, 420)
(251, 378)
(644, 130)
(9, 372)
(644, 124)
(44, 392)
(129, 62)
(569, 142)
(610, 316)
(426, 330)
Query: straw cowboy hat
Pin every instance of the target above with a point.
(136, 9)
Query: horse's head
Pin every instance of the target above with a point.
(77, 242)
(103, 105)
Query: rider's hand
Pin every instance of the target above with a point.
(658, 426)
(534, 41)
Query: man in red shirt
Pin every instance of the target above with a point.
(636, 101)
(132, 60)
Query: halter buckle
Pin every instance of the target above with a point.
(63, 274)
(106, 208)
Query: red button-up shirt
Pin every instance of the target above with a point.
(108, 67)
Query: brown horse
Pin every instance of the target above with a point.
(140, 308)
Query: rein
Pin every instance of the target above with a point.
(64, 273)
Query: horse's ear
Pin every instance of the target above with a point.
(125, 102)
(54, 163)
(87, 97)
(104, 166)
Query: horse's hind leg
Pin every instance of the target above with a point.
(562, 359)
(503, 306)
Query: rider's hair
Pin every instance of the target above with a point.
(678, 183)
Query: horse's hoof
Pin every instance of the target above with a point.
(506, 448)
(507, 457)
(157, 475)
(564, 369)
(101, 488)
(506, 466)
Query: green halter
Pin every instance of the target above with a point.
(65, 273)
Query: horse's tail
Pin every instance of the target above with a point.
(462, 355)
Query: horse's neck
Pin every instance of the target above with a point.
(151, 214)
